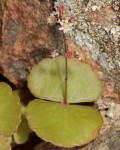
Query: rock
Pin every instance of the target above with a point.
(26, 37)
(98, 28)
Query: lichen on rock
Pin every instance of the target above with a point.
(97, 28)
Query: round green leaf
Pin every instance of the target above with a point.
(5, 142)
(47, 81)
(23, 131)
(63, 125)
(9, 110)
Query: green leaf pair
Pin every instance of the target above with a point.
(11, 111)
(64, 125)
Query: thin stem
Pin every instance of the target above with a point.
(66, 74)
(66, 78)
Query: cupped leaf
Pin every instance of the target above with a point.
(5, 142)
(9, 110)
(47, 79)
(23, 131)
(63, 125)
(22, 134)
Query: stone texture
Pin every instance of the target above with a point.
(26, 37)
(0, 22)
(98, 28)
(108, 141)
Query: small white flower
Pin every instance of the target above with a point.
(66, 26)
(54, 54)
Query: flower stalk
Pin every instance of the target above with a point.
(67, 24)
(66, 74)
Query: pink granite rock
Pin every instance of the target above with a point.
(26, 37)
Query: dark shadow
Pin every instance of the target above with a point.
(29, 145)
(25, 95)
(4, 79)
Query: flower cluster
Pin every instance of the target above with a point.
(59, 16)
(76, 54)
(66, 25)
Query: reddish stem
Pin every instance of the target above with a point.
(66, 74)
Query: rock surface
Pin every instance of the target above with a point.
(98, 28)
(26, 37)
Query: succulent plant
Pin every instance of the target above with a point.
(22, 134)
(10, 113)
(64, 124)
